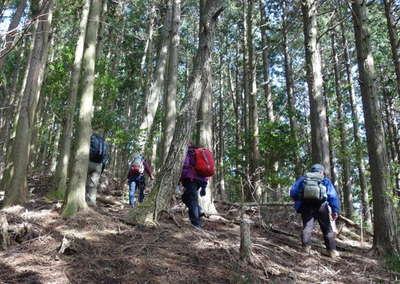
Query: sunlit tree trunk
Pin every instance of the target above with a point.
(75, 198)
(170, 95)
(385, 235)
(167, 179)
(60, 178)
(319, 129)
(16, 192)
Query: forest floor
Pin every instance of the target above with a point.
(98, 246)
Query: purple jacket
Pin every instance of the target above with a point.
(188, 171)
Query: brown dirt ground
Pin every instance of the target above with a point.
(102, 248)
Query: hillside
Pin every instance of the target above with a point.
(99, 247)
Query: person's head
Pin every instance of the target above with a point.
(317, 168)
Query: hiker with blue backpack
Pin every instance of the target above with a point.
(136, 177)
(98, 157)
(315, 196)
(198, 166)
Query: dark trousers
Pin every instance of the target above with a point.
(190, 199)
(313, 213)
(134, 183)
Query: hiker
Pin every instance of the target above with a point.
(313, 195)
(136, 177)
(193, 180)
(98, 157)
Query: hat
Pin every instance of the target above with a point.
(317, 168)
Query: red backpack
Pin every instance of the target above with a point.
(205, 165)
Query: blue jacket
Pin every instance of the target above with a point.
(333, 199)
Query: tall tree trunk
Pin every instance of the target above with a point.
(266, 84)
(255, 157)
(291, 99)
(344, 154)
(16, 184)
(60, 179)
(394, 39)
(170, 95)
(75, 198)
(157, 85)
(367, 217)
(12, 31)
(167, 179)
(319, 129)
(385, 236)
(221, 143)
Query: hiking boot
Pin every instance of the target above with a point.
(307, 249)
(334, 254)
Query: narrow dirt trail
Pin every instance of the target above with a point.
(99, 247)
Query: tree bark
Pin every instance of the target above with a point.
(344, 154)
(75, 198)
(16, 192)
(167, 179)
(170, 95)
(319, 129)
(385, 236)
(394, 39)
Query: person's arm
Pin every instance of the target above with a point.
(333, 199)
(295, 189)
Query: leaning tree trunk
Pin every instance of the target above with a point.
(170, 95)
(75, 198)
(167, 179)
(385, 236)
(394, 39)
(60, 179)
(319, 129)
(16, 185)
(344, 154)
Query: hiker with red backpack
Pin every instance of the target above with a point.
(136, 177)
(197, 167)
(314, 196)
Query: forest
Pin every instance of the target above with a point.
(269, 87)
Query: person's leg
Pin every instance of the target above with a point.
(307, 215)
(141, 189)
(92, 182)
(326, 228)
(190, 199)
(132, 189)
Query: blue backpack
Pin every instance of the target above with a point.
(98, 149)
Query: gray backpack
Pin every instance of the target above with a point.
(313, 188)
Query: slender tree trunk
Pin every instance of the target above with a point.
(102, 29)
(266, 84)
(385, 236)
(357, 140)
(60, 179)
(167, 179)
(344, 154)
(170, 95)
(294, 126)
(255, 157)
(394, 39)
(319, 129)
(221, 143)
(75, 198)
(16, 192)
(12, 31)
(157, 85)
